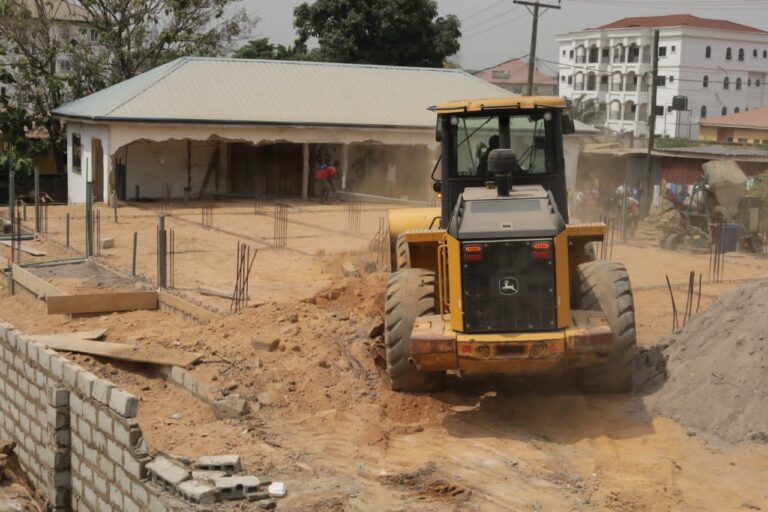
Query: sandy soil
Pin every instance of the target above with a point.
(328, 425)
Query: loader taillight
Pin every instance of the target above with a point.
(542, 251)
(473, 253)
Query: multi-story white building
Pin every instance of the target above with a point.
(720, 67)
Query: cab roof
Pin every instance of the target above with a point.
(509, 102)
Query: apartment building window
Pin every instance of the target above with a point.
(659, 110)
(725, 111)
(662, 81)
(606, 54)
(729, 54)
(741, 53)
(562, 79)
(570, 54)
(705, 82)
(662, 51)
(674, 49)
(754, 53)
(708, 52)
(703, 112)
(94, 35)
(726, 83)
(749, 82)
(499, 75)
(765, 54)
(570, 80)
(757, 82)
(738, 84)
(65, 66)
(671, 79)
(736, 110)
(564, 53)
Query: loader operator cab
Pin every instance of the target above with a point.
(470, 131)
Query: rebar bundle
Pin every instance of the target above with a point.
(244, 265)
(280, 240)
(354, 213)
(207, 211)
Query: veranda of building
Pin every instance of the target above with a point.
(200, 126)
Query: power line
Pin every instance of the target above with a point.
(494, 27)
(493, 18)
(481, 11)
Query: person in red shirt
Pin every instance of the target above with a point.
(324, 175)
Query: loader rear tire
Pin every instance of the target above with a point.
(410, 294)
(605, 286)
(402, 252)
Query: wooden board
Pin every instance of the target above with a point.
(71, 336)
(154, 355)
(102, 303)
(173, 302)
(4, 263)
(213, 292)
(26, 248)
(34, 284)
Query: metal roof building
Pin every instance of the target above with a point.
(219, 125)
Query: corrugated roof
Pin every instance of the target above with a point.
(517, 73)
(679, 20)
(757, 119)
(239, 91)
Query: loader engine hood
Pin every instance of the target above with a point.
(529, 211)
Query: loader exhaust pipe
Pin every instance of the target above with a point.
(502, 163)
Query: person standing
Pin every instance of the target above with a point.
(324, 175)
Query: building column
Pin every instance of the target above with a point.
(305, 171)
(344, 165)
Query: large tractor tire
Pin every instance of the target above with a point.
(605, 286)
(402, 252)
(410, 294)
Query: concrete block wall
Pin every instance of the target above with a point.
(77, 436)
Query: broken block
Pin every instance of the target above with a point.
(167, 472)
(107, 243)
(197, 491)
(349, 269)
(237, 487)
(227, 464)
(277, 489)
(231, 407)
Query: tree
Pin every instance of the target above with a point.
(262, 49)
(103, 42)
(392, 32)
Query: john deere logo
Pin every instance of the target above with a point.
(508, 286)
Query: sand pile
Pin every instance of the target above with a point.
(717, 368)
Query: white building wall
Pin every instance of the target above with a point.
(684, 67)
(76, 181)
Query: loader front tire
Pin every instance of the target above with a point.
(410, 294)
(605, 286)
(402, 252)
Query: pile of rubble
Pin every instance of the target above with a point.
(211, 479)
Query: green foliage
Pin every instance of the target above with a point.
(671, 142)
(263, 49)
(14, 145)
(391, 32)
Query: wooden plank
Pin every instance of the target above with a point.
(124, 352)
(102, 303)
(26, 248)
(213, 292)
(4, 263)
(34, 284)
(183, 306)
(71, 336)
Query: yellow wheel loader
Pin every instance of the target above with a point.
(495, 280)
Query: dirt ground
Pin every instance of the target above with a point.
(324, 420)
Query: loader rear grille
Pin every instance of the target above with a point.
(509, 290)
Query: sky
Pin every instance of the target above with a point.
(496, 30)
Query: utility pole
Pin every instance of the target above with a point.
(536, 12)
(648, 192)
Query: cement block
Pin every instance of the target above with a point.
(236, 487)
(105, 422)
(123, 403)
(104, 506)
(129, 505)
(62, 438)
(106, 467)
(89, 412)
(115, 452)
(84, 383)
(75, 405)
(177, 375)
(101, 390)
(99, 440)
(197, 491)
(56, 366)
(100, 484)
(115, 496)
(207, 476)
(89, 495)
(231, 407)
(84, 430)
(58, 397)
(44, 358)
(69, 374)
(139, 493)
(122, 480)
(107, 243)
(132, 465)
(227, 464)
(58, 418)
(167, 472)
